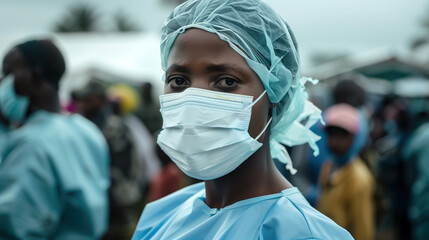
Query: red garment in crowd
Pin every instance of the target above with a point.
(167, 181)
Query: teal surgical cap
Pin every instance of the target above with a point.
(267, 43)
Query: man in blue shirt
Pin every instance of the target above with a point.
(54, 173)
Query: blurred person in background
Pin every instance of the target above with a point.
(125, 192)
(233, 95)
(419, 111)
(92, 102)
(394, 129)
(144, 144)
(350, 92)
(308, 165)
(166, 181)
(148, 110)
(347, 185)
(416, 161)
(54, 174)
(71, 105)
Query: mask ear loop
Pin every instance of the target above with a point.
(269, 121)
(265, 128)
(257, 100)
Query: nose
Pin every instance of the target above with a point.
(333, 142)
(201, 81)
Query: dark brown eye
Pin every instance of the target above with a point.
(177, 82)
(227, 83)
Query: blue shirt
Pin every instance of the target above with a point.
(54, 180)
(3, 137)
(285, 215)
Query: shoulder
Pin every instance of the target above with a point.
(361, 178)
(80, 121)
(157, 213)
(423, 131)
(82, 126)
(45, 126)
(293, 216)
(418, 141)
(175, 199)
(158, 209)
(68, 129)
(47, 133)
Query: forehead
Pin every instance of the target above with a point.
(13, 59)
(199, 44)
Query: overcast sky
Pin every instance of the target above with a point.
(320, 25)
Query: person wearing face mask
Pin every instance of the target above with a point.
(233, 97)
(54, 169)
(12, 109)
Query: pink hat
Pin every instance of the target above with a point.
(343, 116)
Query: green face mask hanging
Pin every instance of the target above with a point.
(12, 107)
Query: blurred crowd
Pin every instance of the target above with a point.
(371, 175)
(372, 172)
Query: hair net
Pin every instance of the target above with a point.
(267, 43)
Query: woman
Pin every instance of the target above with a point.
(347, 185)
(232, 97)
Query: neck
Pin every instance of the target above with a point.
(46, 98)
(257, 176)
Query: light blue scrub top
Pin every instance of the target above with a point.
(285, 215)
(54, 180)
(3, 137)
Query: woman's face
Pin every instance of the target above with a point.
(339, 141)
(199, 59)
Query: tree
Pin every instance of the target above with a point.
(80, 18)
(423, 39)
(124, 24)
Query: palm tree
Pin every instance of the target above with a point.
(80, 18)
(422, 40)
(123, 23)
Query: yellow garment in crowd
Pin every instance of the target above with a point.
(347, 197)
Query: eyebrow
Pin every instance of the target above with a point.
(211, 68)
(178, 68)
(224, 68)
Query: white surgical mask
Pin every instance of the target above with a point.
(13, 107)
(206, 132)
